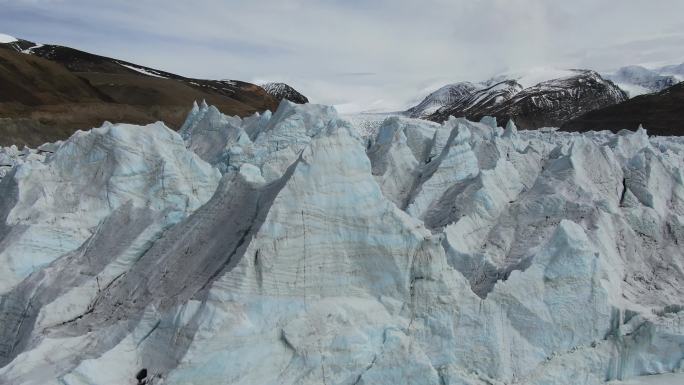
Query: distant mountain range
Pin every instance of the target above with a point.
(50, 91)
(555, 98)
(533, 100)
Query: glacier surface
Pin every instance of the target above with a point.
(288, 248)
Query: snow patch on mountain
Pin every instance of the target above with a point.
(30, 49)
(6, 39)
(532, 76)
(139, 70)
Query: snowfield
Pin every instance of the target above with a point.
(5, 39)
(533, 76)
(297, 247)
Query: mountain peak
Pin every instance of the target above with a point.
(446, 95)
(282, 91)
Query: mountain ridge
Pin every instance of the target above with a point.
(282, 91)
(548, 103)
(118, 91)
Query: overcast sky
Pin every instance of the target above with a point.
(358, 54)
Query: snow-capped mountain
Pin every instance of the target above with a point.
(531, 77)
(447, 95)
(638, 80)
(486, 98)
(535, 99)
(462, 93)
(285, 248)
(282, 91)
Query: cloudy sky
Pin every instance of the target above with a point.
(373, 54)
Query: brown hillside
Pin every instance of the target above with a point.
(42, 100)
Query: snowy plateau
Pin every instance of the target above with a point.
(293, 248)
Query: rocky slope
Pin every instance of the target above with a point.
(282, 91)
(50, 91)
(532, 104)
(660, 113)
(285, 248)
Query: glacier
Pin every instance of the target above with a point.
(295, 248)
